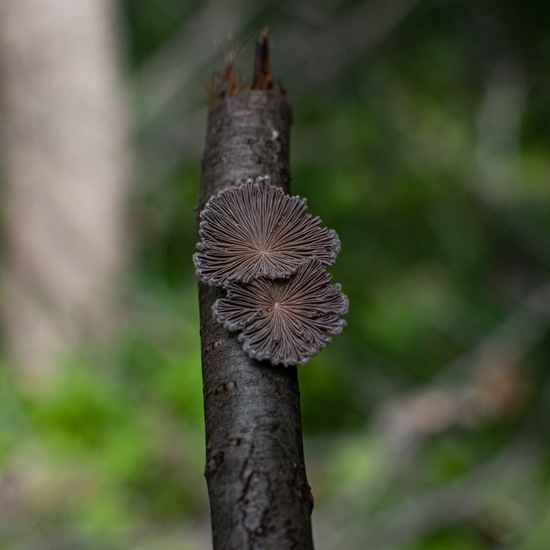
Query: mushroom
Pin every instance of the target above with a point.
(284, 320)
(256, 229)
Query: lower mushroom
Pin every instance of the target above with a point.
(285, 321)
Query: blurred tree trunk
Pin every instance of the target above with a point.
(64, 145)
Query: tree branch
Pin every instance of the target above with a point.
(259, 495)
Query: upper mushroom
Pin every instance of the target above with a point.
(256, 230)
(284, 320)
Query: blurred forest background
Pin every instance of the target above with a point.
(421, 134)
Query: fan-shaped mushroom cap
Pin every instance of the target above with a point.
(284, 320)
(256, 229)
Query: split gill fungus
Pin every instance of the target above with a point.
(256, 230)
(284, 320)
(270, 255)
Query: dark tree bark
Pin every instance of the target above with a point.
(259, 495)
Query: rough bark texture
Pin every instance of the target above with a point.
(64, 149)
(259, 495)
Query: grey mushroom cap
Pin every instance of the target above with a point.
(256, 229)
(285, 321)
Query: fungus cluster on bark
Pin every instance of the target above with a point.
(262, 246)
